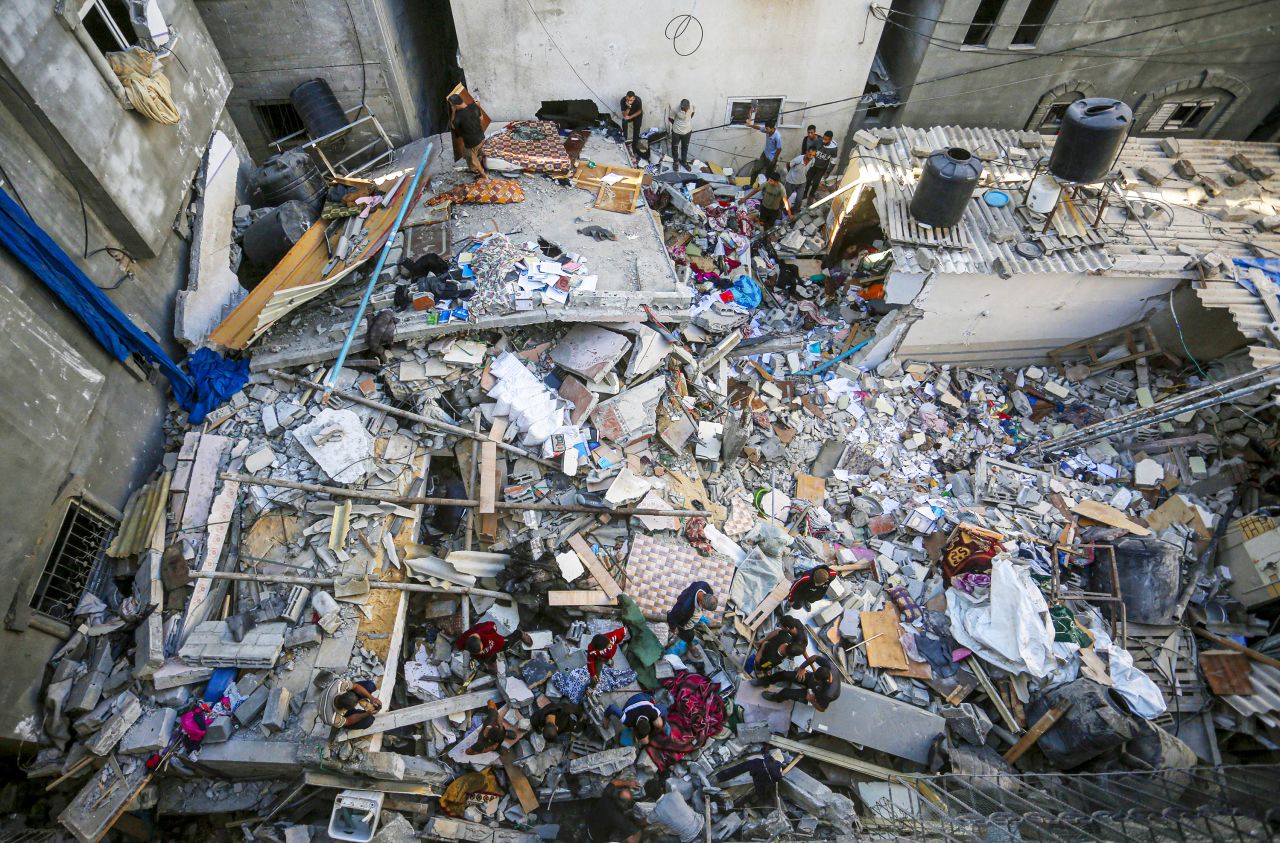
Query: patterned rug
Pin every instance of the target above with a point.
(532, 145)
(659, 569)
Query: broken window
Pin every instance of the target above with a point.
(1051, 123)
(109, 25)
(77, 558)
(1033, 21)
(278, 119)
(984, 20)
(1183, 116)
(766, 109)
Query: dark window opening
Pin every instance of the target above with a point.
(109, 25)
(1052, 122)
(1190, 115)
(77, 560)
(278, 119)
(766, 110)
(984, 20)
(1033, 21)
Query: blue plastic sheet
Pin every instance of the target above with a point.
(215, 379)
(746, 292)
(1271, 266)
(113, 330)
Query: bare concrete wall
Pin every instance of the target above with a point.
(813, 51)
(987, 320)
(1001, 85)
(74, 421)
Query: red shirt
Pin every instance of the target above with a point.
(491, 641)
(597, 657)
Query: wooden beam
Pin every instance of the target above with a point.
(580, 597)
(519, 783)
(1044, 724)
(835, 758)
(314, 778)
(595, 567)
(1231, 645)
(488, 477)
(388, 720)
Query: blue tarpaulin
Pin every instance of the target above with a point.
(113, 330)
(216, 378)
(1271, 266)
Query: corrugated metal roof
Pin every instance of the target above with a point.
(1131, 248)
(1264, 702)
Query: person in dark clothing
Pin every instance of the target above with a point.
(609, 820)
(484, 642)
(350, 705)
(777, 647)
(765, 770)
(819, 687)
(642, 715)
(683, 618)
(823, 163)
(466, 119)
(810, 588)
(556, 718)
(632, 113)
(810, 140)
(492, 732)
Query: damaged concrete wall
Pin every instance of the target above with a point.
(1017, 90)
(512, 64)
(386, 50)
(130, 171)
(981, 319)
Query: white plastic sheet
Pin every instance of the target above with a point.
(1010, 627)
(1142, 695)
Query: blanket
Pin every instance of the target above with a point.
(482, 192)
(532, 145)
(696, 715)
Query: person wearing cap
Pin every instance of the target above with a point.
(689, 609)
(642, 715)
(484, 643)
(601, 650)
(632, 113)
(466, 119)
(810, 588)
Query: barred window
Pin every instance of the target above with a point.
(77, 561)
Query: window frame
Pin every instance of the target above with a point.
(1038, 27)
(785, 104)
(1201, 109)
(986, 29)
(108, 525)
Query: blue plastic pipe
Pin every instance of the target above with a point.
(332, 380)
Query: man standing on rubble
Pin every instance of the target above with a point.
(484, 643)
(824, 162)
(797, 176)
(601, 650)
(819, 687)
(810, 588)
(632, 113)
(609, 819)
(773, 198)
(681, 121)
(778, 646)
(687, 613)
(772, 144)
(466, 119)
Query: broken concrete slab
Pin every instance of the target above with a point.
(340, 445)
(589, 351)
(150, 734)
(869, 719)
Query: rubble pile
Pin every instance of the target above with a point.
(838, 569)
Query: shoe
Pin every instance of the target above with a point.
(772, 696)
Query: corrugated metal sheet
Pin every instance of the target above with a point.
(1264, 702)
(142, 515)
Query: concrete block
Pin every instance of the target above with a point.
(148, 640)
(303, 635)
(219, 730)
(259, 459)
(296, 603)
(150, 734)
(247, 712)
(296, 833)
(276, 712)
(128, 710)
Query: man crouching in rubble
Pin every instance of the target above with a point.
(610, 818)
(351, 705)
(484, 643)
(818, 687)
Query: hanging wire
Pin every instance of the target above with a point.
(679, 25)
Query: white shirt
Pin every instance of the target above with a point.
(683, 124)
(799, 170)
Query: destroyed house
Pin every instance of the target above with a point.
(1164, 239)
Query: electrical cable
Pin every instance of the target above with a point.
(1178, 324)
(552, 39)
(681, 24)
(13, 188)
(355, 33)
(897, 13)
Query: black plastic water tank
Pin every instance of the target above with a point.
(1093, 130)
(285, 176)
(270, 239)
(318, 107)
(949, 179)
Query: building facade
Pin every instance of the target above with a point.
(802, 62)
(1191, 71)
(79, 430)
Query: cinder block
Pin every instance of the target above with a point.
(247, 712)
(128, 710)
(276, 713)
(219, 730)
(150, 734)
(148, 639)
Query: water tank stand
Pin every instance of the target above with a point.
(380, 147)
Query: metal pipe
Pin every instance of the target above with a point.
(377, 270)
(389, 497)
(410, 416)
(382, 584)
(1142, 418)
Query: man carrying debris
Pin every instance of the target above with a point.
(773, 196)
(824, 162)
(601, 650)
(492, 732)
(350, 705)
(609, 820)
(819, 687)
(810, 588)
(765, 770)
(772, 144)
(681, 120)
(687, 613)
(642, 715)
(797, 176)
(466, 119)
(557, 717)
(484, 643)
(632, 113)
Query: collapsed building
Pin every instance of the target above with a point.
(553, 398)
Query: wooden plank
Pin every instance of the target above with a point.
(770, 602)
(1044, 724)
(488, 477)
(519, 784)
(389, 720)
(835, 758)
(314, 778)
(1239, 648)
(580, 597)
(811, 489)
(595, 567)
(1227, 672)
(884, 647)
